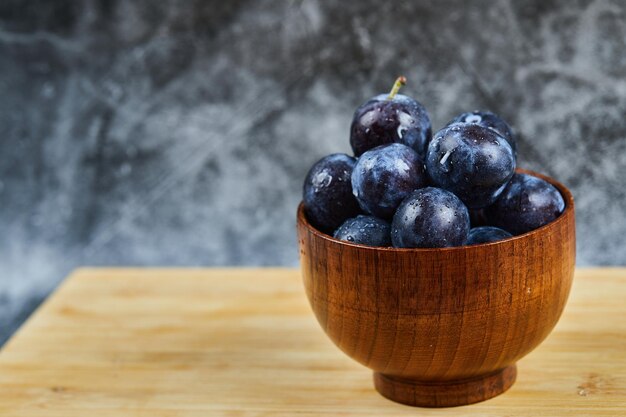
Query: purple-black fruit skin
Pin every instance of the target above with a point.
(381, 121)
(430, 218)
(527, 203)
(486, 234)
(327, 192)
(471, 161)
(490, 120)
(477, 217)
(365, 230)
(384, 176)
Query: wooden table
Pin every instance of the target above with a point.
(243, 342)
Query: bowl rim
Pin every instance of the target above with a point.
(568, 198)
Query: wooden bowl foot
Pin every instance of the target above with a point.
(445, 393)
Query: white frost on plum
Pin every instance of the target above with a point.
(445, 157)
(405, 120)
(402, 165)
(322, 179)
(474, 118)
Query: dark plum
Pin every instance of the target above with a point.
(472, 161)
(430, 218)
(477, 217)
(490, 120)
(486, 234)
(390, 118)
(365, 230)
(526, 203)
(384, 176)
(327, 192)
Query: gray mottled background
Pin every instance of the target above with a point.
(178, 133)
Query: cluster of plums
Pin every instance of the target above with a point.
(408, 188)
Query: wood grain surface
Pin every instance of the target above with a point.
(243, 342)
(441, 327)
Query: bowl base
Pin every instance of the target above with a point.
(445, 393)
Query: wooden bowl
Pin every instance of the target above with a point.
(441, 327)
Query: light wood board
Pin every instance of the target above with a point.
(243, 342)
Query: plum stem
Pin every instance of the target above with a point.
(400, 81)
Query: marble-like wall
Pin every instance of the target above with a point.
(179, 132)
